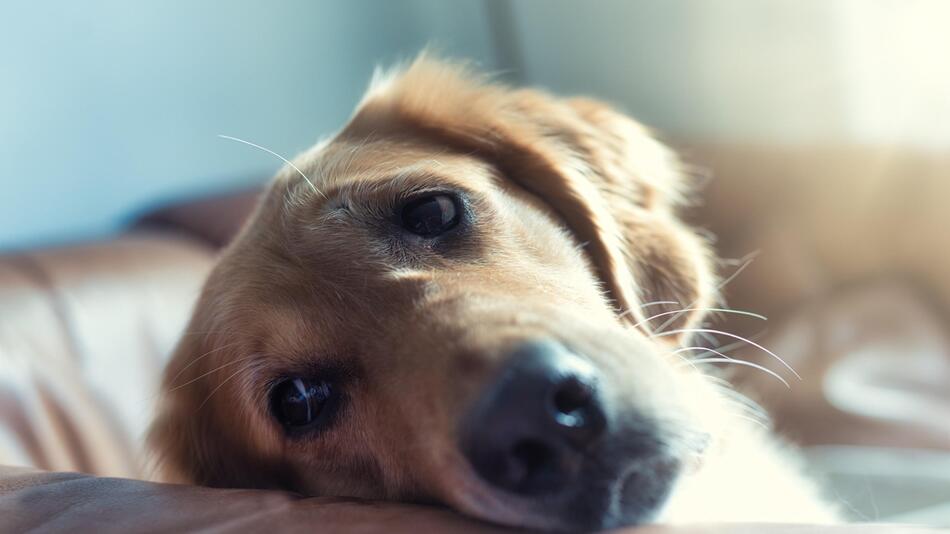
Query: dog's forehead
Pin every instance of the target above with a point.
(343, 162)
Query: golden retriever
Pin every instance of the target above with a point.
(474, 296)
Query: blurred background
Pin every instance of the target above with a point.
(819, 129)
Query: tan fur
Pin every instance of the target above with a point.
(575, 230)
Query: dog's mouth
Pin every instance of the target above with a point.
(608, 491)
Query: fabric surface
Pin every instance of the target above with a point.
(84, 333)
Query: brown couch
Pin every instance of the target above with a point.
(852, 269)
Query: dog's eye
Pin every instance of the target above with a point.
(430, 215)
(299, 403)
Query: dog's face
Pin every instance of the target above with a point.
(454, 311)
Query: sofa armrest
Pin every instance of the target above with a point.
(214, 220)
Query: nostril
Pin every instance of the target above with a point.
(576, 409)
(571, 401)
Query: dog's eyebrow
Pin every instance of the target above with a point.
(419, 165)
(404, 181)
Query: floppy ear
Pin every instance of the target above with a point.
(615, 187)
(644, 183)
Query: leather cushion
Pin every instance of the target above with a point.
(58, 502)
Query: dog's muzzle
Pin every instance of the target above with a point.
(546, 433)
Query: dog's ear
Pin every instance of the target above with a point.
(615, 186)
(644, 183)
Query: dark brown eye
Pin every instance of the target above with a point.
(431, 215)
(299, 402)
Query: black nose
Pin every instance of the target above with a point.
(529, 433)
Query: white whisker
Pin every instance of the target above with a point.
(705, 349)
(216, 369)
(733, 336)
(741, 401)
(197, 359)
(737, 344)
(658, 303)
(750, 419)
(690, 363)
(724, 358)
(723, 310)
(225, 381)
(708, 338)
(741, 362)
(282, 158)
(746, 261)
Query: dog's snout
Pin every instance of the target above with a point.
(530, 431)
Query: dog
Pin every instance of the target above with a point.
(479, 297)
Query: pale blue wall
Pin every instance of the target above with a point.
(107, 107)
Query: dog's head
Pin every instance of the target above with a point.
(453, 306)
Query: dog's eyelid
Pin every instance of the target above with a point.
(410, 195)
(324, 366)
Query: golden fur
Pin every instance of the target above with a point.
(575, 236)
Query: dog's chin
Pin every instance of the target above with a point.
(635, 497)
(642, 495)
